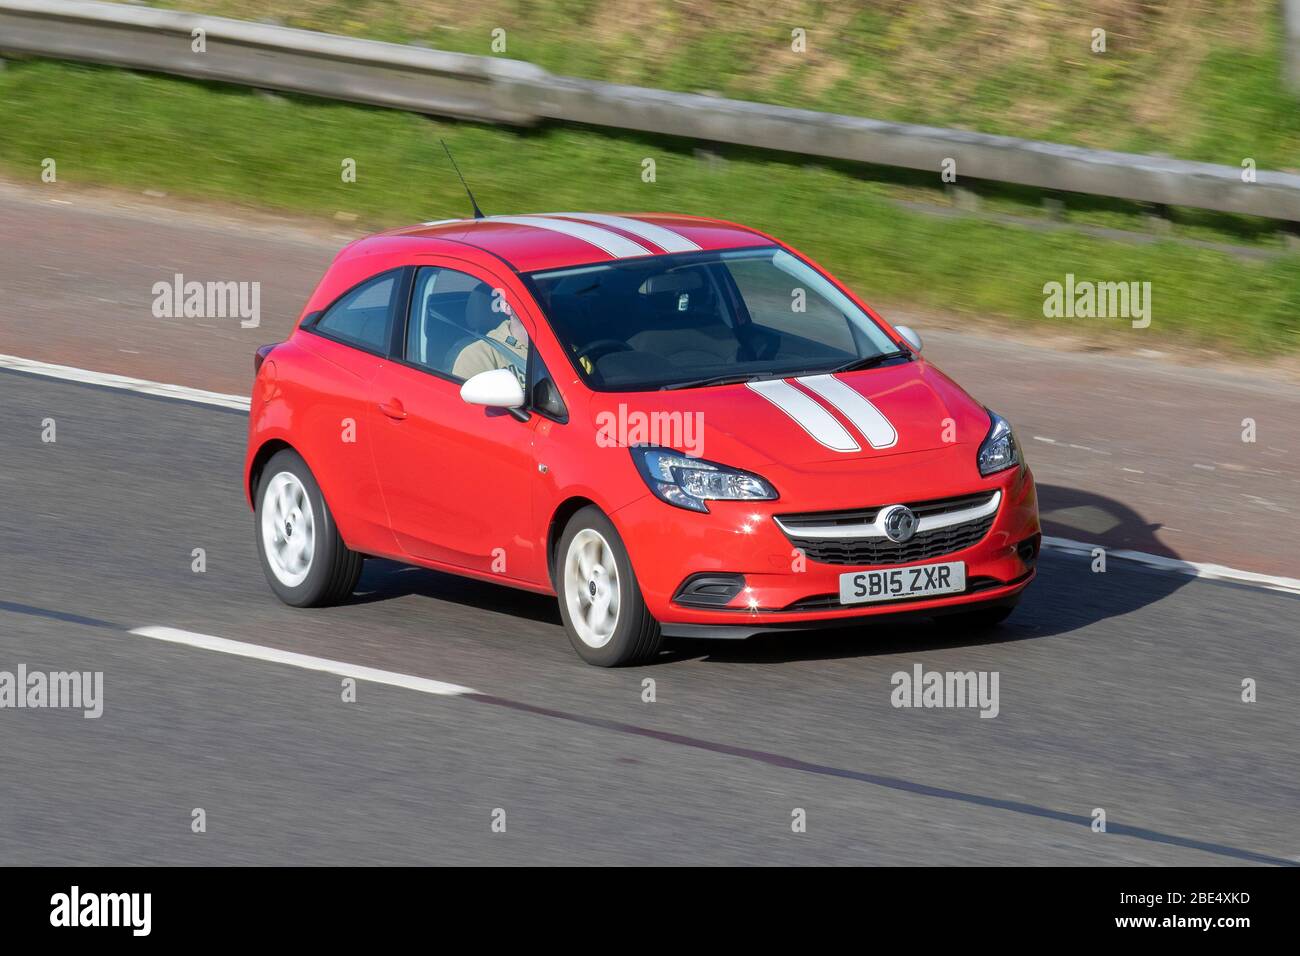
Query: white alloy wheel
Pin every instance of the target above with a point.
(591, 587)
(288, 529)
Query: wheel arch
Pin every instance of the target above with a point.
(559, 519)
(264, 454)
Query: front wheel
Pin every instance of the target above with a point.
(304, 558)
(600, 601)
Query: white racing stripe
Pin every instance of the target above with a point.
(109, 380)
(665, 239)
(274, 655)
(620, 247)
(866, 418)
(807, 414)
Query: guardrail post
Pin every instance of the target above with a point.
(1291, 43)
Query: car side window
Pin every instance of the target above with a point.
(363, 317)
(460, 326)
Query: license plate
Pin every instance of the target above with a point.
(891, 584)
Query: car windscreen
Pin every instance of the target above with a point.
(673, 320)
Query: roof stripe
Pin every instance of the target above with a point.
(620, 247)
(665, 239)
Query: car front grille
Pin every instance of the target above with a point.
(857, 549)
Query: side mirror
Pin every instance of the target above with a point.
(497, 388)
(909, 336)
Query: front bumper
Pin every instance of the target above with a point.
(783, 588)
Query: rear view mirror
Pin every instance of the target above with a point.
(909, 336)
(497, 388)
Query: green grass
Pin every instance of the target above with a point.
(229, 145)
(1198, 79)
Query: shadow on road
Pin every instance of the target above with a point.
(1067, 595)
(384, 580)
(1082, 516)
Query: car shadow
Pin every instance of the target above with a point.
(384, 580)
(1067, 595)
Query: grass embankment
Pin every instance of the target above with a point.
(224, 144)
(1199, 79)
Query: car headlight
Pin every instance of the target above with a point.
(999, 450)
(689, 482)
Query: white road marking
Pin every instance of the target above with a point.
(184, 393)
(1270, 505)
(1053, 441)
(1217, 572)
(69, 374)
(207, 642)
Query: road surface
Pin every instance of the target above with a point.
(1119, 691)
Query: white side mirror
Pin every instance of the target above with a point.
(498, 388)
(909, 336)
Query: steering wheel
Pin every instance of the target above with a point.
(601, 347)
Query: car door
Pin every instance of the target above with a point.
(456, 478)
(333, 421)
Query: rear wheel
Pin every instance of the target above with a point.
(600, 601)
(305, 561)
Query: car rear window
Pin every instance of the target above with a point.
(362, 317)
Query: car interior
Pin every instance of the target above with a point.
(657, 322)
(450, 310)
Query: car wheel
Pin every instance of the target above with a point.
(600, 601)
(306, 562)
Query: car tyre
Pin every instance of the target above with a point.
(600, 601)
(304, 558)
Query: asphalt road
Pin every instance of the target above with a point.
(1119, 691)
(1133, 452)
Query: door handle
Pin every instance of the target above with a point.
(393, 409)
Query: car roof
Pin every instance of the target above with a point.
(557, 240)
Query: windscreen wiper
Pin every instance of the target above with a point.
(730, 379)
(871, 361)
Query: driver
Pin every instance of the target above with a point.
(501, 343)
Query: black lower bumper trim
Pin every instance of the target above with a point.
(740, 630)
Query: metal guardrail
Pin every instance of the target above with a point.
(506, 91)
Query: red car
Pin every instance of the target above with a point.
(679, 426)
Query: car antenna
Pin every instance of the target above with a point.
(478, 213)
